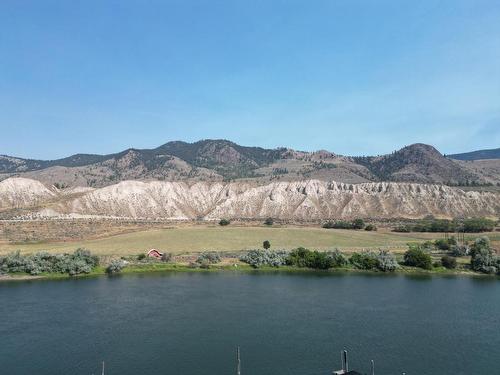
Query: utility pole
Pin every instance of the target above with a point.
(102, 367)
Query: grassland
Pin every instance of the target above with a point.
(187, 239)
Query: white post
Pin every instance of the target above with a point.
(238, 368)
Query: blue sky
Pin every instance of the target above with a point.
(354, 77)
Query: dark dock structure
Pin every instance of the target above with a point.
(345, 366)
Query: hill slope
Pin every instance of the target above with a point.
(417, 163)
(477, 155)
(298, 200)
(221, 160)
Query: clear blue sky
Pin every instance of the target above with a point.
(353, 77)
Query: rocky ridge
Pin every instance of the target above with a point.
(293, 200)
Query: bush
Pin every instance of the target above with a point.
(402, 229)
(116, 266)
(328, 225)
(366, 260)
(442, 244)
(449, 262)
(224, 222)
(141, 256)
(479, 244)
(459, 250)
(86, 256)
(302, 257)
(209, 257)
(358, 224)
(14, 262)
(476, 225)
(342, 224)
(259, 258)
(81, 261)
(204, 263)
(319, 260)
(483, 258)
(417, 257)
(485, 261)
(337, 258)
(266, 244)
(269, 221)
(386, 261)
(370, 228)
(166, 257)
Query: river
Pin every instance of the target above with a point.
(285, 324)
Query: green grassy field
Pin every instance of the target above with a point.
(200, 238)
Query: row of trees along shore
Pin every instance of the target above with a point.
(483, 259)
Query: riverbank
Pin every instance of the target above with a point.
(238, 267)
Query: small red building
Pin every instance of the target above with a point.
(155, 254)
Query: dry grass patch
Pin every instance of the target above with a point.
(186, 239)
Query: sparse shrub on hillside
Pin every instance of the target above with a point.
(141, 256)
(266, 244)
(269, 221)
(116, 266)
(370, 228)
(224, 222)
(259, 258)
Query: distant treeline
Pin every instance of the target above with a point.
(354, 224)
(473, 225)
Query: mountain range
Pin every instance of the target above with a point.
(222, 161)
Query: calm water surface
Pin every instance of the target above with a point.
(190, 323)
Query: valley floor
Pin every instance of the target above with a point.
(124, 239)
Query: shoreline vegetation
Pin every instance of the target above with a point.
(178, 267)
(439, 257)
